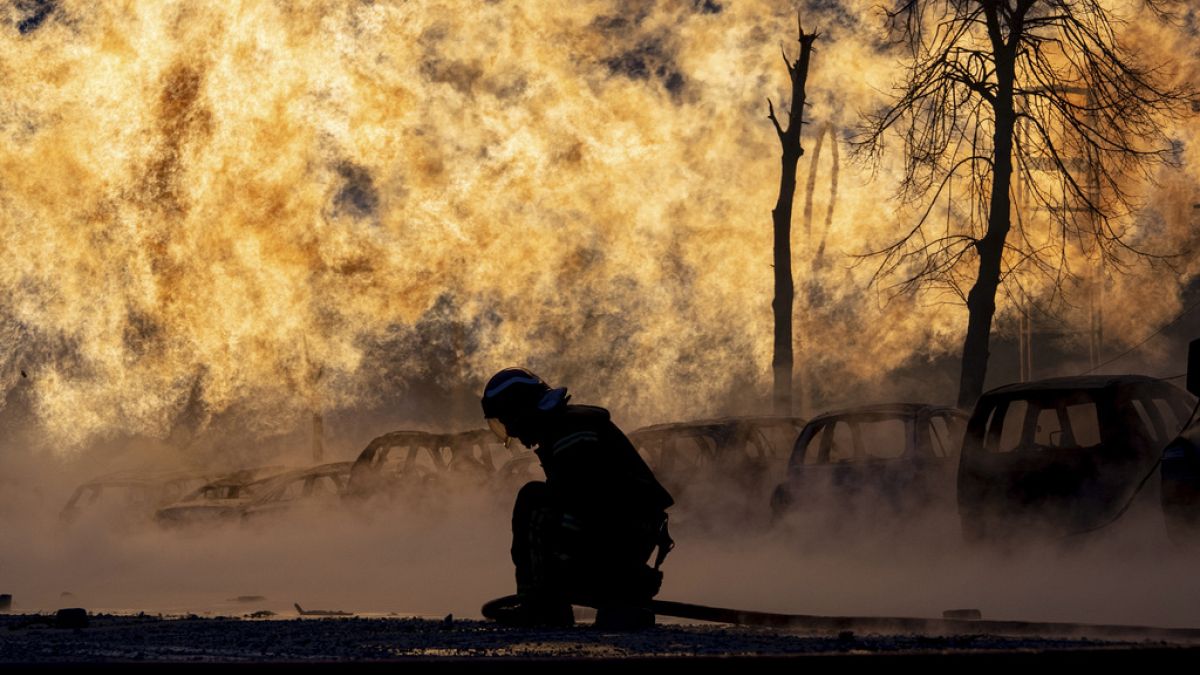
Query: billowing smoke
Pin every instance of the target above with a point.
(217, 218)
(253, 211)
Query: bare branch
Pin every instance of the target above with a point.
(771, 116)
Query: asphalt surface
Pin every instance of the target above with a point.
(456, 644)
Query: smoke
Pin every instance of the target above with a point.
(219, 218)
(449, 555)
(223, 215)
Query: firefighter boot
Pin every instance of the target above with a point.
(624, 618)
(533, 611)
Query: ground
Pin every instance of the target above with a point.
(31, 639)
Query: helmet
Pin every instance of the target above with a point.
(513, 397)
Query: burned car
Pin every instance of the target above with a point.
(519, 470)
(475, 456)
(407, 463)
(1180, 473)
(134, 494)
(1064, 455)
(891, 456)
(718, 465)
(218, 500)
(318, 487)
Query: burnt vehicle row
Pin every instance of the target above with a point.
(1053, 458)
(257, 493)
(404, 463)
(742, 450)
(718, 469)
(1180, 495)
(395, 465)
(130, 494)
(891, 457)
(1063, 456)
(745, 451)
(1058, 456)
(419, 466)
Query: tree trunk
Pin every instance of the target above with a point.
(785, 290)
(981, 301)
(781, 217)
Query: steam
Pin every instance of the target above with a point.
(225, 217)
(451, 554)
(252, 211)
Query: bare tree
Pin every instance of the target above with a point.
(781, 217)
(1045, 87)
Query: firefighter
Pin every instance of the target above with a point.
(583, 536)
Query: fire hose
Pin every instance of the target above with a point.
(895, 625)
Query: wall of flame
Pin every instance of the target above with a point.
(282, 207)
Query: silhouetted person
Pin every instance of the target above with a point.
(583, 536)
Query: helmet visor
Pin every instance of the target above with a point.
(500, 430)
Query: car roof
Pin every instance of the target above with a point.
(1075, 382)
(894, 408)
(718, 423)
(121, 478)
(436, 439)
(245, 476)
(473, 436)
(330, 469)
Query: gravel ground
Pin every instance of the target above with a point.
(31, 639)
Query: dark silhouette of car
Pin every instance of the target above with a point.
(889, 457)
(410, 463)
(1062, 456)
(519, 470)
(738, 447)
(314, 488)
(1180, 471)
(136, 494)
(219, 500)
(718, 468)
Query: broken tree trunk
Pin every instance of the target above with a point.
(781, 216)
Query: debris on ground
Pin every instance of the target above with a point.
(124, 638)
(963, 614)
(319, 612)
(71, 617)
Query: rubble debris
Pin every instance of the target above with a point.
(260, 614)
(319, 612)
(963, 614)
(71, 617)
(422, 644)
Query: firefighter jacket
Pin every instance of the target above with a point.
(595, 473)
